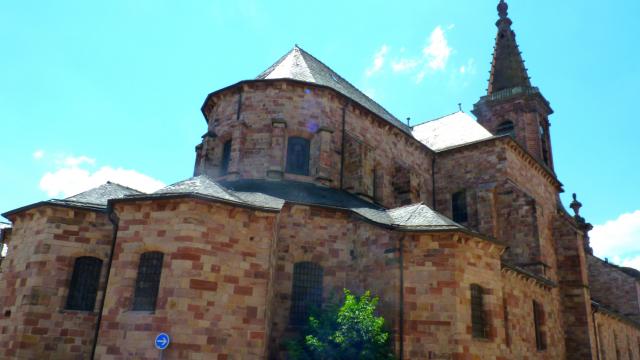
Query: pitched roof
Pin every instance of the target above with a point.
(298, 64)
(451, 130)
(93, 199)
(419, 216)
(507, 68)
(101, 194)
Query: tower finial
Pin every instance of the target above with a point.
(502, 9)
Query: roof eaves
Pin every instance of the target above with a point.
(541, 280)
(514, 143)
(191, 195)
(58, 203)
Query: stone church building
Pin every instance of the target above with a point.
(304, 186)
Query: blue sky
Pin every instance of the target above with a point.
(97, 90)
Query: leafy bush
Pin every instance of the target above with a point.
(350, 330)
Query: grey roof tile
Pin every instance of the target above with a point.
(101, 194)
(298, 64)
(420, 216)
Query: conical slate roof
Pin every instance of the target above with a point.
(507, 68)
(298, 64)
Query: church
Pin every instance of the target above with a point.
(304, 186)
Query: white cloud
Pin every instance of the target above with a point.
(618, 239)
(72, 177)
(437, 50)
(378, 61)
(468, 68)
(404, 64)
(38, 154)
(72, 161)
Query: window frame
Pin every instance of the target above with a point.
(479, 328)
(459, 207)
(292, 166)
(84, 284)
(225, 159)
(538, 323)
(147, 283)
(306, 291)
(506, 127)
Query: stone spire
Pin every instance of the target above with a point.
(507, 67)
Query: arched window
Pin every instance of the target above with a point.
(506, 128)
(306, 292)
(148, 281)
(298, 156)
(478, 319)
(84, 284)
(226, 157)
(538, 323)
(459, 206)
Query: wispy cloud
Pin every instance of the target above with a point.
(619, 239)
(468, 68)
(437, 50)
(38, 154)
(404, 64)
(75, 174)
(378, 61)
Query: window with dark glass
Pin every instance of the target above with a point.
(226, 156)
(306, 292)
(84, 284)
(538, 322)
(148, 281)
(459, 206)
(298, 156)
(544, 144)
(478, 319)
(506, 128)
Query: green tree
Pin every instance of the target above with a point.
(350, 330)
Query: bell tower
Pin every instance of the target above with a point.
(512, 105)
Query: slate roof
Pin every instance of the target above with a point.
(271, 195)
(452, 130)
(94, 199)
(298, 64)
(101, 194)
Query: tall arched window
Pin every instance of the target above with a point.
(538, 323)
(84, 284)
(226, 157)
(506, 128)
(148, 281)
(298, 156)
(459, 206)
(306, 292)
(478, 319)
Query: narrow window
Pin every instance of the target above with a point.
(506, 128)
(306, 292)
(478, 319)
(615, 343)
(226, 155)
(543, 144)
(148, 281)
(84, 284)
(538, 322)
(298, 156)
(459, 206)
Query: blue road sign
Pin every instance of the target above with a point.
(162, 341)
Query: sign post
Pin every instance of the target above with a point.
(161, 343)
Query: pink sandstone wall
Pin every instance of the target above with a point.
(35, 281)
(614, 288)
(214, 288)
(273, 111)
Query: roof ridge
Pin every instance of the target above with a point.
(438, 118)
(304, 52)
